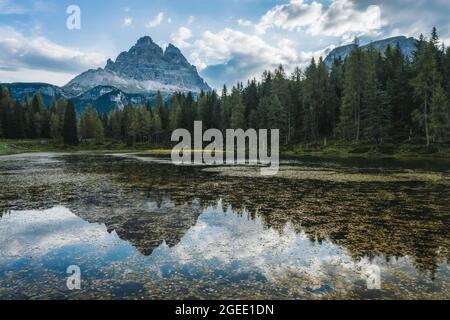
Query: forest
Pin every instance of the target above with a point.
(370, 97)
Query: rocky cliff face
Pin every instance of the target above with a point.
(145, 68)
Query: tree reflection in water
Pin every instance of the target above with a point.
(310, 236)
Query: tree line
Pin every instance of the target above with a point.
(370, 96)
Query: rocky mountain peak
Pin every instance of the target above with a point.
(145, 68)
(174, 55)
(145, 40)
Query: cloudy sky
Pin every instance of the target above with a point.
(228, 40)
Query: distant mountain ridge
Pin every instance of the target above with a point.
(407, 46)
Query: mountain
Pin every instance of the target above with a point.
(135, 77)
(48, 91)
(145, 68)
(407, 46)
(106, 98)
(102, 98)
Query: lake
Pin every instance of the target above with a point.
(140, 228)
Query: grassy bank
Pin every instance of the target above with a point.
(365, 150)
(362, 150)
(8, 147)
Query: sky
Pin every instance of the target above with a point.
(227, 40)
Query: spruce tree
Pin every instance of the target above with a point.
(238, 110)
(310, 102)
(99, 131)
(334, 95)
(376, 113)
(70, 132)
(425, 82)
(18, 121)
(175, 114)
(352, 100)
(440, 116)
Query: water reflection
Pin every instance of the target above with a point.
(222, 251)
(150, 230)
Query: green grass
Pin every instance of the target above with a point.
(20, 146)
(332, 150)
(365, 150)
(25, 146)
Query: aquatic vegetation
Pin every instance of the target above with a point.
(148, 229)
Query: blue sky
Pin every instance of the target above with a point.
(228, 40)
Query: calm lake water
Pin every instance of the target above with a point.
(141, 228)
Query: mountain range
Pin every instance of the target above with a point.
(138, 74)
(135, 77)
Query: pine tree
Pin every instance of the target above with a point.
(446, 71)
(352, 100)
(141, 124)
(251, 99)
(175, 114)
(376, 112)
(334, 96)
(238, 110)
(5, 113)
(162, 112)
(226, 109)
(55, 125)
(156, 126)
(188, 111)
(296, 93)
(115, 124)
(88, 121)
(37, 120)
(56, 119)
(310, 102)
(425, 82)
(440, 116)
(18, 121)
(395, 81)
(70, 132)
(323, 113)
(280, 89)
(126, 118)
(99, 131)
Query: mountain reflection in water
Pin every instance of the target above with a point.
(149, 230)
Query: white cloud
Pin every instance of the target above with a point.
(60, 228)
(169, 20)
(156, 21)
(19, 52)
(190, 20)
(341, 18)
(181, 36)
(233, 55)
(30, 75)
(128, 21)
(8, 7)
(411, 17)
(244, 23)
(228, 43)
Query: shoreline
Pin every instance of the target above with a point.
(11, 147)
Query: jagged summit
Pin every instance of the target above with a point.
(145, 68)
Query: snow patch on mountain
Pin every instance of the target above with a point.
(145, 68)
